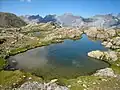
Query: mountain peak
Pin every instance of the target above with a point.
(70, 14)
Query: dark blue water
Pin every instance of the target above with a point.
(68, 59)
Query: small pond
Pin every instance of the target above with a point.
(68, 59)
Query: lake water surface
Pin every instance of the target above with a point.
(68, 59)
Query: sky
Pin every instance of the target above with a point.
(85, 8)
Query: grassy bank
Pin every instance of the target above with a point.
(3, 63)
(13, 79)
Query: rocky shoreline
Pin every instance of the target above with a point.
(17, 40)
(112, 56)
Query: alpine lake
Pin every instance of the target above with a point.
(62, 60)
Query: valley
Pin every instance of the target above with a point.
(84, 43)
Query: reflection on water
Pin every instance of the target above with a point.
(67, 59)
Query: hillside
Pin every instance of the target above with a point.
(10, 20)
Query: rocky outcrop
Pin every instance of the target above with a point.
(113, 43)
(8, 20)
(96, 33)
(41, 86)
(107, 72)
(111, 32)
(106, 55)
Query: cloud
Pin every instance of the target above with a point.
(25, 0)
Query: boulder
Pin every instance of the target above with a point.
(107, 72)
(41, 86)
(96, 54)
(102, 35)
(107, 44)
(104, 43)
(106, 55)
(111, 55)
(116, 41)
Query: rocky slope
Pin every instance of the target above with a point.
(10, 20)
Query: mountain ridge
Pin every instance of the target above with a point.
(70, 20)
(10, 20)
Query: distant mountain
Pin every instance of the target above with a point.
(70, 20)
(10, 20)
(32, 18)
(49, 18)
(104, 21)
(118, 16)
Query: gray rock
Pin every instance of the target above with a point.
(111, 32)
(107, 44)
(41, 86)
(91, 32)
(107, 55)
(102, 35)
(116, 41)
(95, 32)
(96, 54)
(111, 55)
(107, 72)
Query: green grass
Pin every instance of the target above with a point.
(17, 50)
(116, 66)
(15, 78)
(2, 63)
(91, 83)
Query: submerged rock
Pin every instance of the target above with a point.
(108, 72)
